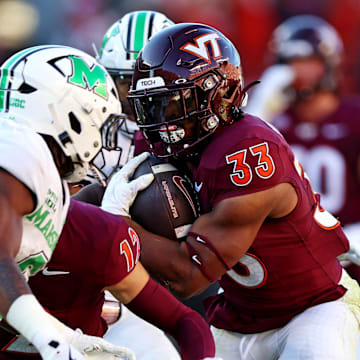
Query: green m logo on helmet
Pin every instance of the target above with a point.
(92, 78)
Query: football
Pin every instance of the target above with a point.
(169, 206)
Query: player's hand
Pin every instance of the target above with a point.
(120, 193)
(353, 255)
(94, 347)
(352, 231)
(58, 350)
(268, 98)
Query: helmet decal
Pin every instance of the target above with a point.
(93, 79)
(114, 30)
(179, 182)
(200, 48)
(126, 37)
(150, 83)
(6, 71)
(138, 27)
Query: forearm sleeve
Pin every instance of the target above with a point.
(157, 306)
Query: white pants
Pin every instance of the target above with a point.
(328, 331)
(147, 341)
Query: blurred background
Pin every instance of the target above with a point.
(248, 23)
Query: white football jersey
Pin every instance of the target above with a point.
(25, 155)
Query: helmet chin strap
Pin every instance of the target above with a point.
(235, 111)
(242, 94)
(245, 90)
(97, 174)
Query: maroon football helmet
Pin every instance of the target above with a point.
(187, 84)
(303, 36)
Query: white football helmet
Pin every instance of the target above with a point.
(118, 53)
(126, 37)
(64, 94)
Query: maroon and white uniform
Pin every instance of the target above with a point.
(79, 270)
(329, 152)
(292, 262)
(107, 263)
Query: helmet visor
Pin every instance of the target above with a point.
(165, 106)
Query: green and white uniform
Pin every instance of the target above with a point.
(25, 155)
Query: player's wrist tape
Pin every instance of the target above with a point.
(204, 241)
(196, 259)
(28, 317)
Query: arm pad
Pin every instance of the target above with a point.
(156, 305)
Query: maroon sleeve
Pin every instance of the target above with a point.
(159, 307)
(124, 252)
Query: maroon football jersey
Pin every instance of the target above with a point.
(95, 249)
(329, 152)
(292, 262)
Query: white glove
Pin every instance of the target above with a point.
(352, 232)
(105, 356)
(120, 193)
(53, 339)
(350, 256)
(267, 98)
(94, 347)
(56, 349)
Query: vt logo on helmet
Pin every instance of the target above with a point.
(200, 48)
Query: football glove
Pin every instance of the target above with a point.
(105, 356)
(268, 98)
(352, 232)
(94, 347)
(55, 349)
(352, 256)
(120, 193)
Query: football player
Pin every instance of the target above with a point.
(98, 251)
(263, 231)
(118, 52)
(53, 102)
(319, 123)
(120, 47)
